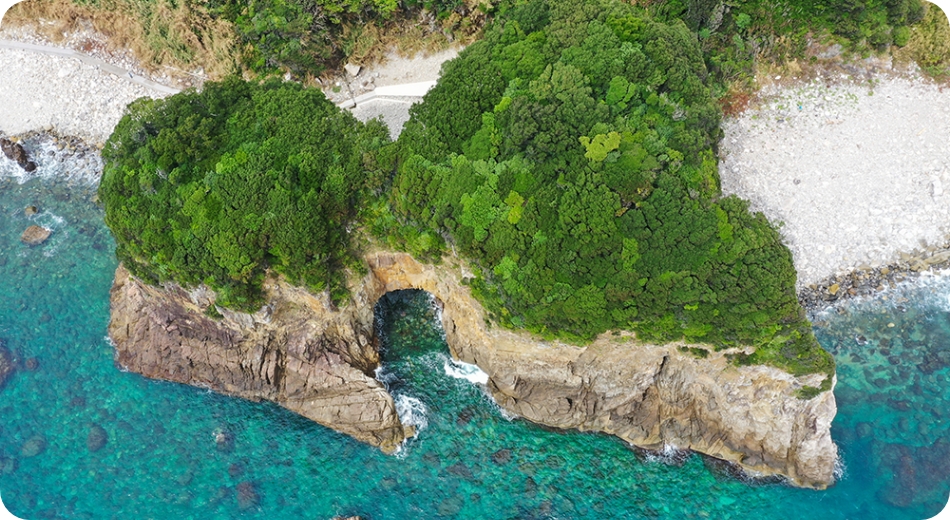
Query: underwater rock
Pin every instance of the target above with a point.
(33, 446)
(7, 465)
(235, 470)
(35, 235)
(224, 440)
(451, 506)
(501, 457)
(247, 496)
(96, 439)
(31, 364)
(7, 365)
(460, 470)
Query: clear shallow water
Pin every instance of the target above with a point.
(162, 460)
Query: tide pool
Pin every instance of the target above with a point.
(174, 451)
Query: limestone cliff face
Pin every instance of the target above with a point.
(316, 361)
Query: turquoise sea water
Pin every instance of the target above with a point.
(161, 459)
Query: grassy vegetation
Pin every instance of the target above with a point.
(163, 34)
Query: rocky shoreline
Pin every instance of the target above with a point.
(866, 281)
(316, 359)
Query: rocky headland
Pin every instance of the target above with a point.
(317, 360)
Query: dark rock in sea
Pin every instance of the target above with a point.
(45, 317)
(464, 417)
(860, 339)
(224, 441)
(30, 210)
(451, 506)
(32, 364)
(16, 152)
(7, 465)
(78, 402)
(530, 488)
(185, 478)
(247, 496)
(33, 446)
(460, 470)
(864, 430)
(35, 235)
(235, 470)
(501, 457)
(432, 459)
(97, 438)
(388, 483)
(7, 364)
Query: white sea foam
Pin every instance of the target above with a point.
(83, 167)
(412, 412)
(669, 454)
(840, 468)
(463, 370)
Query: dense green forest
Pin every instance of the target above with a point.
(572, 154)
(219, 186)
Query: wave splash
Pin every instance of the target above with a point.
(463, 370)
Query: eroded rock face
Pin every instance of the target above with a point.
(650, 395)
(297, 353)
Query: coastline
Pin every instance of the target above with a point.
(853, 171)
(768, 156)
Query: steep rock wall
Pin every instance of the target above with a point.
(650, 395)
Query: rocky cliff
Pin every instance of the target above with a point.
(318, 361)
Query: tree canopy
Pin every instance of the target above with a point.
(217, 187)
(571, 154)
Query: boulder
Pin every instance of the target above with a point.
(33, 446)
(97, 438)
(247, 496)
(16, 152)
(30, 211)
(35, 235)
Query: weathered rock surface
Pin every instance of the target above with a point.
(35, 235)
(650, 395)
(297, 353)
(15, 152)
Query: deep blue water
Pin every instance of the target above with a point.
(469, 461)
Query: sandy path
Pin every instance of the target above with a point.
(857, 173)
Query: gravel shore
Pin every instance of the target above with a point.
(855, 172)
(40, 92)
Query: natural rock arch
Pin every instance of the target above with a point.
(317, 360)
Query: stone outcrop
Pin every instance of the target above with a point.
(653, 396)
(297, 352)
(15, 152)
(35, 235)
